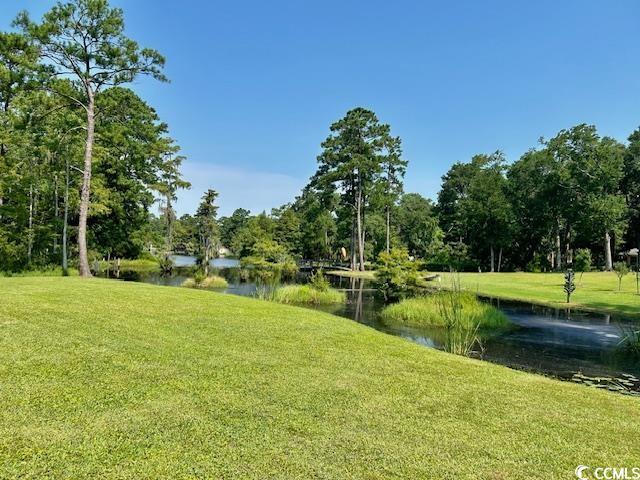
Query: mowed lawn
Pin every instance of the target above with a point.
(596, 290)
(106, 379)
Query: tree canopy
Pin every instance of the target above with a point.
(84, 160)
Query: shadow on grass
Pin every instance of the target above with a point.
(631, 310)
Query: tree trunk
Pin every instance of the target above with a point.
(359, 230)
(608, 264)
(388, 228)
(169, 214)
(326, 244)
(207, 253)
(492, 259)
(86, 189)
(65, 221)
(352, 255)
(56, 212)
(558, 251)
(30, 231)
(500, 259)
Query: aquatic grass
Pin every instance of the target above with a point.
(461, 328)
(265, 290)
(308, 295)
(210, 282)
(428, 311)
(112, 380)
(630, 343)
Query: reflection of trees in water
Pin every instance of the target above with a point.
(357, 288)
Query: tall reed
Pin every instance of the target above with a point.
(630, 342)
(461, 331)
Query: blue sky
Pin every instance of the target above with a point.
(255, 85)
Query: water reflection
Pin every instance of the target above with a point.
(180, 261)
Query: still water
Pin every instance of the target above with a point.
(574, 345)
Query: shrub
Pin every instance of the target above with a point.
(620, 269)
(198, 277)
(199, 280)
(306, 294)
(319, 282)
(268, 255)
(456, 256)
(538, 264)
(166, 264)
(582, 260)
(146, 255)
(397, 274)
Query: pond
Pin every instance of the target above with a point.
(188, 261)
(572, 345)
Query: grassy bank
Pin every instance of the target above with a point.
(107, 379)
(596, 290)
(307, 295)
(135, 265)
(367, 275)
(427, 311)
(43, 272)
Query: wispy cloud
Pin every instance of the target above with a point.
(238, 188)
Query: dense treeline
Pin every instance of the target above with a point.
(577, 192)
(83, 159)
(81, 156)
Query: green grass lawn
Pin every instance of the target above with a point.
(596, 291)
(106, 379)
